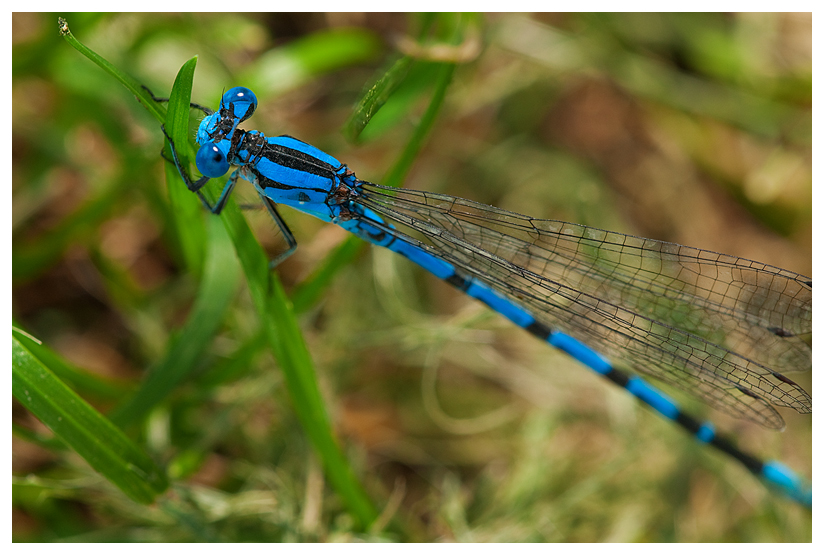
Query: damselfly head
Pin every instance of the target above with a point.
(214, 136)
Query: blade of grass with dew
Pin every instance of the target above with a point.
(81, 427)
(84, 382)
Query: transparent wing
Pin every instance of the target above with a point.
(721, 328)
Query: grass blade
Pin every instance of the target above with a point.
(186, 208)
(88, 383)
(82, 428)
(157, 110)
(286, 341)
(376, 97)
(396, 175)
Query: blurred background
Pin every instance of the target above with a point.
(692, 128)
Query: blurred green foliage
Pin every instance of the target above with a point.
(694, 128)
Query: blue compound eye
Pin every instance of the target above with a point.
(211, 161)
(244, 101)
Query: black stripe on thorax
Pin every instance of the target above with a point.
(297, 160)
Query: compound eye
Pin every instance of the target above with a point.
(242, 99)
(211, 160)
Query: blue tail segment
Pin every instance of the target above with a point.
(720, 328)
(788, 482)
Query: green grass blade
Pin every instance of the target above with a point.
(376, 97)
(220, 279)
(85, 430)
(186, 207)
(396, 175)
(286, 341)
(154, 108)
(85, 382)
(177, 115)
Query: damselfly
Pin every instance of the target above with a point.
(721, 328)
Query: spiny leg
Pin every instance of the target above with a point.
(287, 233)
(196, 186)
